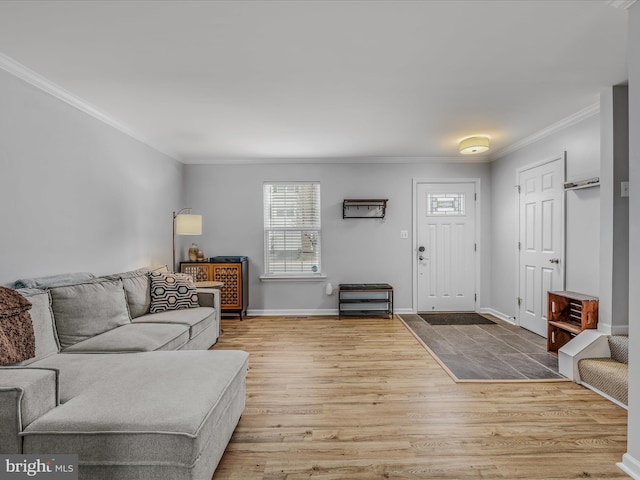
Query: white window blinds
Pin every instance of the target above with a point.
(292, 228)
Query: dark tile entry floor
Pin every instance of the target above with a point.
(487, 352)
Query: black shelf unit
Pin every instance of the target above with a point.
(375, 299)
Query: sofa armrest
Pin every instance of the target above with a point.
(209, 297)
(26, 393)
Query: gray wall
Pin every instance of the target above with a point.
(613, 316)
(632, 457)
(76, 194)
(356, 250)
(582, 144)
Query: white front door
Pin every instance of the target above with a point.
(541, 241)
(445, 256)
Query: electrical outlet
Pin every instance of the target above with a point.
(404, 233)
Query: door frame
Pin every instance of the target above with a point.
(414, 244)
(563, 209)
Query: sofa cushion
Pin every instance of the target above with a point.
(137, 287)
(138, 291)
(85, 310)
(120, 422)
(138, 337)
(78, 371)
(197, 319)
(172, 291)
(43, 324)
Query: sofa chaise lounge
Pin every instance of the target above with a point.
(134, 394)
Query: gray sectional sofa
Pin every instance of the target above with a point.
(135, 395)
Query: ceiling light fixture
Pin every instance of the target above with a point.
(472, 145)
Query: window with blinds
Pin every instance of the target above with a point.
(292, 228)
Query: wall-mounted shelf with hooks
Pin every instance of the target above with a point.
(587, 182)
(364, 207)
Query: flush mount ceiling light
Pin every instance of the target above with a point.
(472, 145)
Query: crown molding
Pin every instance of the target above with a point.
(625, 4)
(332, 160)
(577, 117)
(26, 74)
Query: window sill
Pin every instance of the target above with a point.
(318, 277)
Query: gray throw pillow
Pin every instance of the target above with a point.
(88, 309)
(137, 287)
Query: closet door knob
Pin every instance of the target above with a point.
(554, 260)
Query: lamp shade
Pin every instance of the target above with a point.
(187, 224)
(472, 145)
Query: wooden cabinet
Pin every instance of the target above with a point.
(200, 271)
(568, 314)
(234, 294)
(233, 272)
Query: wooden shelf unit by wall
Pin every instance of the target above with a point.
(568, 314)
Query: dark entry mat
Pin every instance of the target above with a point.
(455, 319)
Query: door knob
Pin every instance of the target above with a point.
(554, 260)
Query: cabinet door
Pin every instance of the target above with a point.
(199, 272)
(231, 275)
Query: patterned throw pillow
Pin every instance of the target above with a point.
(172, 291)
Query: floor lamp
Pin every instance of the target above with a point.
(185, 224)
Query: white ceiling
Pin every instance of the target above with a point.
(237, 80)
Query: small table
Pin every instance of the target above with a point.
(365, 299)
(217, 285)
(211, 284)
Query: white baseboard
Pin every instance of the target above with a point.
(497, 314)
(309, 312)
(630, 466)
(334, 311)
(609, 329)
(620, 330)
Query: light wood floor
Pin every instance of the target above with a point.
(362, 399)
